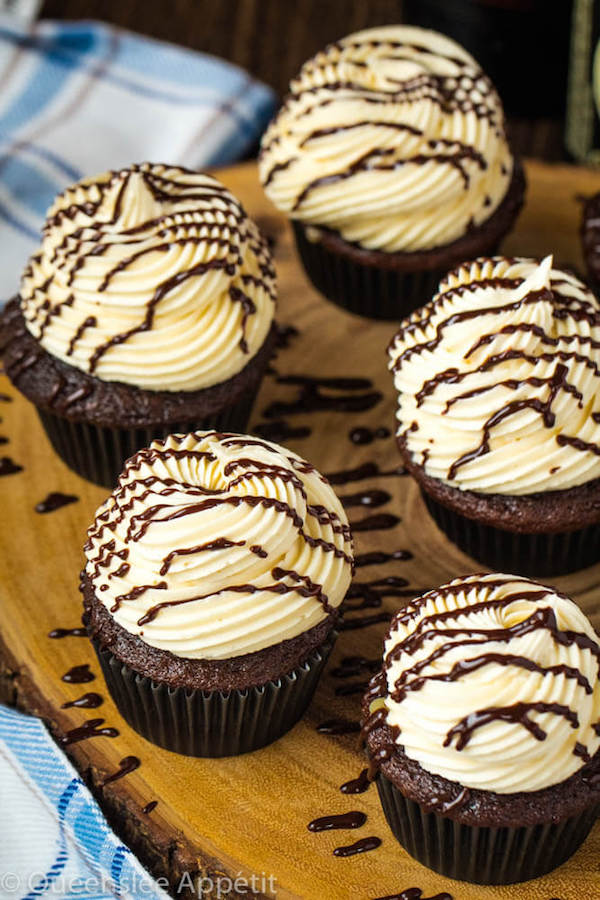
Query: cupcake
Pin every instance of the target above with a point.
(215, 572)
(147, 309)
(484, 728)
(498, 382)
(390, 157)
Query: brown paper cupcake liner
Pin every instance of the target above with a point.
(364, 289)
(98, 452)
(212, 723)
(540, 555)
(476, 854)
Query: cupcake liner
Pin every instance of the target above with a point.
(212, 723)
(367, 290)
(98, 452)
(542, 554)
(476, 854)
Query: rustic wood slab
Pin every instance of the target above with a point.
(249, 815)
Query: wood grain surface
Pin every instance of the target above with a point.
(249, 815)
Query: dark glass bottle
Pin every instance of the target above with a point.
(583, 99)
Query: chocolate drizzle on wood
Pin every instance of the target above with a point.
(357, 785)
(57, 633)
(90, 729)
(353, 819)
(338, 726)
(54, 501)
(90, 700)
(361, 846)
(79, 674)
(8, 466)
(127, 765)
(415, 893)
(344, 395)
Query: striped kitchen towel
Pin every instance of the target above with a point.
(54, 841)
(78, 98)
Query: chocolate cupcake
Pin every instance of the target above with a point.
(390, 157)
(147, 309)
(215, 572)
(498, 380)
(484, 728)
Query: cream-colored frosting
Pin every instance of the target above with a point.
(393, 137)
(158, 265)
(518, 358)
(286, 564)
(501, 755)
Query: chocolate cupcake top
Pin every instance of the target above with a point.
(153, 276)
(498, 379)
(393, 137)
(492, 682)
(217, 545)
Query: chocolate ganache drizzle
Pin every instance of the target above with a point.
(491, 681)
(153, 276)
(393, 137)
(216, 545)
(499, 377)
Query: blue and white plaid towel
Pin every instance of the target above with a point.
(54, 841)
(79, 98)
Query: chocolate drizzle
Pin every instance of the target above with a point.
(371, 498)
(79, 674)
(378, 522)
(8, 466)
(378, 557)
(415, 893)
(338, 726)
(348, 690)
(357, 785)
(351, 666)
(54, 501)
(350, 820)
(518, 712)
(360, 473)
(350, 395)
(362, 435)
(281, 431)
(127, 765)
(361, 846)
(90, 729)
(67, 632)
(364, 621)
(371, 593)
(90, 700)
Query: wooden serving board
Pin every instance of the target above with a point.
(248, 816)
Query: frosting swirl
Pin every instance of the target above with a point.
(498, 379)
(492, 682)
(152, 276)
(217, 545)
(393, 137)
